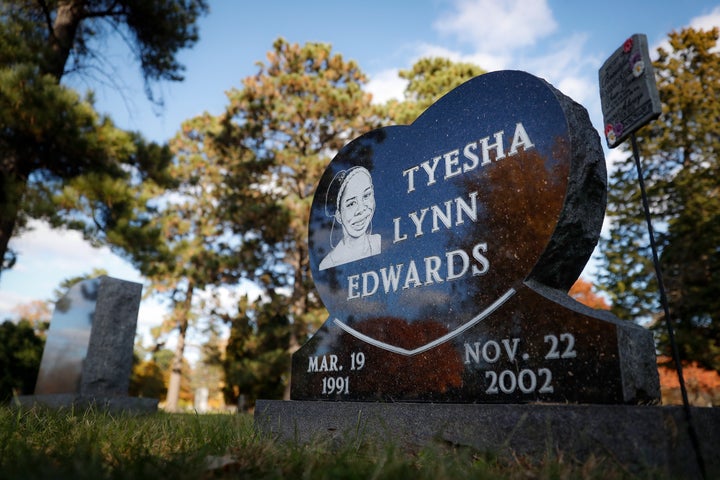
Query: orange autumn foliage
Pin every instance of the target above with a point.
(582, 292)
(702, 385)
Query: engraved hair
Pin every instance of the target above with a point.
(335, 191)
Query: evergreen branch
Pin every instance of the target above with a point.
(108, 12)
(48, 18)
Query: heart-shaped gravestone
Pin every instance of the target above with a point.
(423, 239)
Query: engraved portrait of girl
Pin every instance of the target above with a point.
(350, 202)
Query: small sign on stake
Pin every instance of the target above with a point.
(628, 93)
(629, 99)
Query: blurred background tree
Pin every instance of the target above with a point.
(428, 79)
(20, 354)
(147, 380)
(195, 248)
(227, 201)
(584, 292)
(256, 361)
(279, 133)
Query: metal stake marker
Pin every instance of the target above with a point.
(663, 299)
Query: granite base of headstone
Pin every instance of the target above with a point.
(88, 354)
(640, 439)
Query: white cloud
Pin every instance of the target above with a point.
(386, 85)
(40, 238)
(615, 156)
(702, 22)
(427, 50)
(568, 68)
(707, 22)
(582, 90)
(514, 26)
(151, 314)
(500, 34)
(498, 25)
(487, 61)
(566, 57)
(46, 257)
(58, 250)
(8, 302)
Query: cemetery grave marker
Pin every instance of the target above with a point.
(443, 251)
(630, 99)
(88, 353)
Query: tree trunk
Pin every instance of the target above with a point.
(7, 225)
(298, 308)
(12, 190)
(68, 16)
(293, 346)
(183, 312)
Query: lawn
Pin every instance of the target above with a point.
(94, 445)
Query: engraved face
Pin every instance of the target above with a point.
(357, 204)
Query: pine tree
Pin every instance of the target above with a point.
(279, 132)
(59, 159)
(195, 247)
(428, 80)
(257, 361)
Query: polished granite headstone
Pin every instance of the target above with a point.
(88, 353)
(67, 341)
(628, 93)
(443, 251)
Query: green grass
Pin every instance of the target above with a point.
(94, 445)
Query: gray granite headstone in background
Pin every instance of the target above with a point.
(88, 354)
(90, 341)
(67, 341)
(109, 360)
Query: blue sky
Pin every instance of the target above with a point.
(562, 41)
